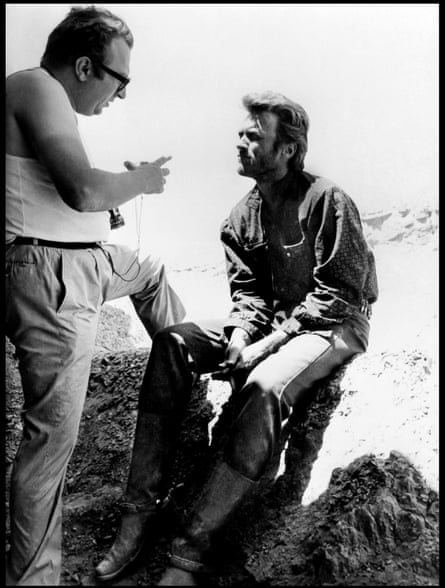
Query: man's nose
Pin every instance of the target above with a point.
(122, 93)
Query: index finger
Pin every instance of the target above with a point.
(161, 160)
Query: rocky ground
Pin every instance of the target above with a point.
(355, 498)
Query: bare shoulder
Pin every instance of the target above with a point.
(26, 79)
(37, 107)
(33, 87)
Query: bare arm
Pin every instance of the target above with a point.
(46, 120)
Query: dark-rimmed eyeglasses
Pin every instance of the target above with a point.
(122, 79)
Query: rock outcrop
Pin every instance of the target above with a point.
(376, 524)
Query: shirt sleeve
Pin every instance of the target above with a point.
(343, 264)
(250, 310)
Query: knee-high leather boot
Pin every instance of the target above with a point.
(145, 492)
(221, 495)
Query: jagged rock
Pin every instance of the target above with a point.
(376, 524)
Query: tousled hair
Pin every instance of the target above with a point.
(293, 121)
(85, 31)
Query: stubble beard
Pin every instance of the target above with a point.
(260, 172)
(264, 175)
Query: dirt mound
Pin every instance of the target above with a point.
(376, 524)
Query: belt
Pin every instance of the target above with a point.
(58, 244)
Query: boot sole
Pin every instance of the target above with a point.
(112, 575)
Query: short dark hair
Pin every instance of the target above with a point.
(293, 121)
(84, 32)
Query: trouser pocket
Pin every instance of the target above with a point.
(79, 281)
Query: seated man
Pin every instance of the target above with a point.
(302, 280)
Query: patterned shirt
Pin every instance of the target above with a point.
(306, 266)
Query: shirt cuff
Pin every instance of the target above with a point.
(251, 330)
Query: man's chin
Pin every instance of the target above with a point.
(98, 109)
(243, 172)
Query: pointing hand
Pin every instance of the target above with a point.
(154, 173)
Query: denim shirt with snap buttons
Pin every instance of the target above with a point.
(312, 269)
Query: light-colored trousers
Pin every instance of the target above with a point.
(53, 301)
(280, 384)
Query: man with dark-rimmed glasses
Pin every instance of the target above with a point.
(122, 79)
(59, 268)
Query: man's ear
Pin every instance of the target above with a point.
(290, 149)
(83, 68)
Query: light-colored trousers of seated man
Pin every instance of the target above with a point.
(53, 301)
(272, 390)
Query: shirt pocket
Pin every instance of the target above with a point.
(292, 270)
(258, 261)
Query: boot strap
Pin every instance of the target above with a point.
(189, 565)
(170, 494)
(155, 503)
(130, 507)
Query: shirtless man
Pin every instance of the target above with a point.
(59, 270)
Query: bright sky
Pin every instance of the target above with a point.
(367, 74)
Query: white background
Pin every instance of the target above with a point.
(367, 74)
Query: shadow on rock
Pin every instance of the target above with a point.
(376, 524)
